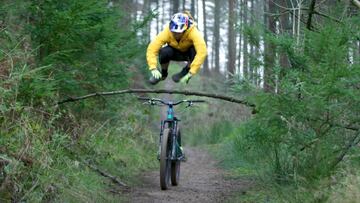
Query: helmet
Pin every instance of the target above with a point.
(179, 23)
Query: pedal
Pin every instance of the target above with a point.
(182, 158)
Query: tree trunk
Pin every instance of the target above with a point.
(217, 36)
(269, 60)
(213, 52)
(239, 51)
(157, 18)
(259, 73)
(311, 12)
(175, 6)
(193, 8)
(252, 46)
(206, 63)
(245, 43)
(232, 39)
(258, 15)
(285, 29)
(145, 11)
(359, 47)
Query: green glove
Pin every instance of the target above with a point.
(186, 78)
(156, 74)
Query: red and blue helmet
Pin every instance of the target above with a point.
(179, 23)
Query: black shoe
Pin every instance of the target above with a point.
(158, 156)
(181, 74)
(154, 81)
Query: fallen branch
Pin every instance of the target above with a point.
(94, 168)
(160, 91)
(103, 173)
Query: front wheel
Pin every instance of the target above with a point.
(175, 165)
(165, 162)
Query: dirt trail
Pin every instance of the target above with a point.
(200, 181)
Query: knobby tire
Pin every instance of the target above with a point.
(175, 168)
(165, 163)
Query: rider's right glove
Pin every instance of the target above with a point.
(186, 78)
(156, 74)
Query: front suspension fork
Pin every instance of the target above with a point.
(173, 126)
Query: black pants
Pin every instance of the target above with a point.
(169, 53)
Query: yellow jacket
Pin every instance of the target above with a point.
(192, 36)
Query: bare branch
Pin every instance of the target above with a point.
(327, 16)
(353, 142)
(160, 91)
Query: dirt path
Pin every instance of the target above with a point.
(200, 181)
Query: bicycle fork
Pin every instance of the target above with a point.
(173, 141)
(173, 138)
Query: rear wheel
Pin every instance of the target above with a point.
(175, 172)
(165, 162)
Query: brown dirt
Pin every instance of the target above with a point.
(200, 181)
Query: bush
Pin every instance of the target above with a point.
(303, 133)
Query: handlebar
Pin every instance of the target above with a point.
(154, 101)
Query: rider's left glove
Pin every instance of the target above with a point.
(156, 74)
(186, 78)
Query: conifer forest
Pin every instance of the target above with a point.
(280, 80)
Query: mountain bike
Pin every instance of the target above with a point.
(169, 142)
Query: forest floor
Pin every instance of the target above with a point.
(201, 180)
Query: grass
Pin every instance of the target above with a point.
(122, 147)
(341, 187)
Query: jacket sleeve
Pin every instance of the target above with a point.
(154, 48)
(201, 52)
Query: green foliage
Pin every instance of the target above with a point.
(302, 137)
(49, 49)
(48, 170)
(253, 34)
(90, 51)
(212, 135)
(304, 133)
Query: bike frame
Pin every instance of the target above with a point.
(172, 123)
(169, 159)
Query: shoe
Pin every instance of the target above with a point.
(158, 157)
(176, 78)
(154, 81)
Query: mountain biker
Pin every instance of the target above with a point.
(184, 42)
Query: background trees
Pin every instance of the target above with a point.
(297, 60)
